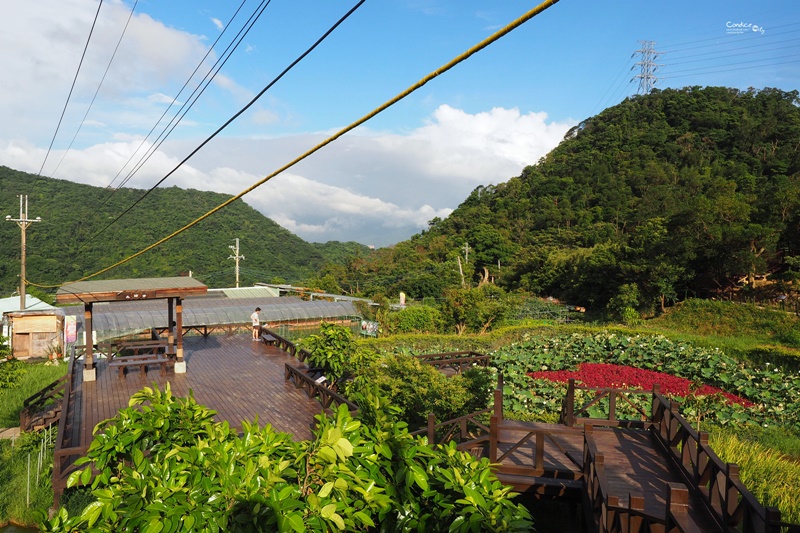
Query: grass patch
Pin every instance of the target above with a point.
(35, 378)
(770, 476)
(22, 493)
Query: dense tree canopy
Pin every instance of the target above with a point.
(677, 192)
(76, 237)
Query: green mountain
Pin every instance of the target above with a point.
(672, 194)
(76, 236)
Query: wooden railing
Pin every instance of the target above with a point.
(617, 399)
(608, 515)
(467, 431)
(289, 347)
(715, 482)
(65, 454)
(35, 404)
(455, 361)
(315, 389)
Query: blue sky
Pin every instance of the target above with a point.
(479, 123)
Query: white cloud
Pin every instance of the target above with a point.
(376, 187)
(217, 23)
(373, 187)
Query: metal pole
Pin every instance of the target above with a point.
(23, 222)
(236, 257)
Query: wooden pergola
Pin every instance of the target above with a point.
(174, 290)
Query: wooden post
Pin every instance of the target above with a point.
(498, 397)
(570, 418)
(612, 406)
(170, 320)
(89, 371)
(677, 506)
(494, 431)
(180, 364)
(539, 460)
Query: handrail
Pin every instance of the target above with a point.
(454, 360)
(289, 347)
(316, 390)
(38, 400)
(461, 424)
(58, 481)
(570, 415)
(716, 483)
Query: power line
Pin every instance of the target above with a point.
(441, 70)
(103, 79)
(234, 117)
(69, 96)
(177, 95)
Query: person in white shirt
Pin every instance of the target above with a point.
(256, 320)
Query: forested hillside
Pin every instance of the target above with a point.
(673, 194)
(71, 240)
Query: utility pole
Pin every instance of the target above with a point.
(647, 77)
(23, 222)
(236, 257)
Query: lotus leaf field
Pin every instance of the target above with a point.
(711, 385)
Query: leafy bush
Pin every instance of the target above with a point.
(418, 389)
(331, 350)
(11, 372)
(415, 319)
(362, 474)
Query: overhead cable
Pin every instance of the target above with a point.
(69, 96)
(83, 120)
(441, 70)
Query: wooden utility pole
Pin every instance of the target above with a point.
(23, 222)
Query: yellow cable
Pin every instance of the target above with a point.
(441, 70)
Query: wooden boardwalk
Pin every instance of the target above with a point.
(646, 473)
(238, 378)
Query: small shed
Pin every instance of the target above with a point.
(34, 332)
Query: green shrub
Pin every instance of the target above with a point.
(415, 319)
(364, 474)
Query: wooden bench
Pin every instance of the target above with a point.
(142, 361)
(268, 339)
(142, 347)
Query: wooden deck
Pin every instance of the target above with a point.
(238, 378)
(633, 466)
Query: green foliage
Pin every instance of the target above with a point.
(766, 473)
(68, 243)
(417, 389)
(671, 192)
(476, 310)
(354, 475)
(776, 393)
(332, 351)
(28, 379)
(16, 487)
(414, 319)
(10, 373)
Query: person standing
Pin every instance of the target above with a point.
(255, 318)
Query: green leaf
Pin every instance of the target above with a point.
(92, 512)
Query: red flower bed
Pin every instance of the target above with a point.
(627, 377)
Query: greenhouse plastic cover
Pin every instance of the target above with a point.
(119, 318)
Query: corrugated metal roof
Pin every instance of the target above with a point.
(32, 303)
(249, 292)
(105, 290)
